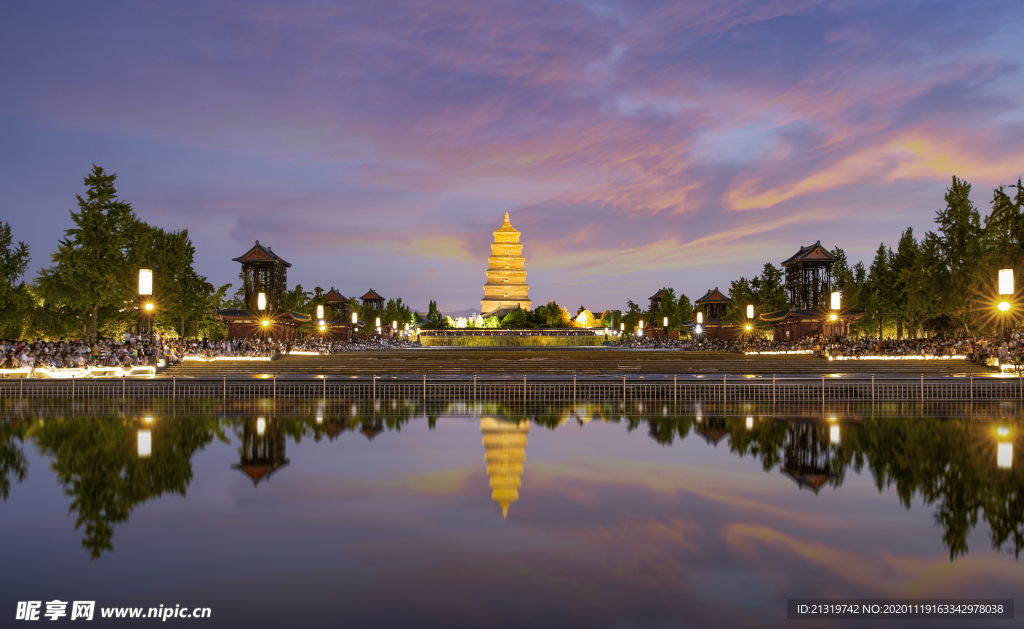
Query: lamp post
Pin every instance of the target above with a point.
(1005, 288)
(146, 295)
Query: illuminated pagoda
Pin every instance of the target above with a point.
(815, 308)
(807, 456)
(264, 282)
(506, 288)
(505, 450)
(708, 312)
(262, 449)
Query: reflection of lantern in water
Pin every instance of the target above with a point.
(1004, 456)
(833, 434)
(750, 423)
(320, 411)
(261, 426)
(505, 450)
(145, 443)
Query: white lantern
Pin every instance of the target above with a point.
(700, 317)
(146, 282)
(665, 322)
(320, 311)
(261, 301)
(261, 426)
(1006, 282)
(1004, 456)
(750, 311)
(355, 318)
(835, 301)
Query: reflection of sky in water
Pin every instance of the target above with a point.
(609, 529)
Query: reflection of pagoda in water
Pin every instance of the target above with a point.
(371, 428)
(713, 429)
(808, 456)
(504, 450)
(262, 449)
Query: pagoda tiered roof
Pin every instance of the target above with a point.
(260, 253)
(713, 296)
(371, 295)
(334, 297)
(811, 253)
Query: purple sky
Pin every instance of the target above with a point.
(635, 144)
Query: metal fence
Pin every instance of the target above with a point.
(527, 389)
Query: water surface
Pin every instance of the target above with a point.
(493, 515)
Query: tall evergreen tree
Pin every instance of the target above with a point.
(91, 267)
(15, 300)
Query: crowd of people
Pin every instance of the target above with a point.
(138, 351)
(135, 351)
(980, 349)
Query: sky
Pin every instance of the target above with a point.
(635, 144)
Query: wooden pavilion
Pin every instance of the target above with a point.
(373, 300)
(709, 311)
(810, 288)
(264, 280)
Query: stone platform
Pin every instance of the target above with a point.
(563, 361)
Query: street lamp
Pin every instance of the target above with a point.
(700, 318)
(261, 301)
(320, 312)
(146, 290)
(1005, 288)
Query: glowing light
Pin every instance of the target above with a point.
(835, 301)
(1004, 306)
(145, 443)
(261, 301)
(665, 322)
(1004, 456)
(750, 311)
(749, 327)
(355, 318)
(149, 306)
(750, 423)
(832, 317)
(1003, 431)
(394, 324)
(700, 317)
(622, 327)
(266, 323)
(698, 329)
(1006, 282)
(641, 324)
(261, 426)
(320, 311)
(323, 328)
(377, 324)
(145, 282)
(833, 434)
(148, 419)
(406, 327)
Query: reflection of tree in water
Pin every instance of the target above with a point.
(261, 452)
(949, 463)
(12, 455)
(98, 463)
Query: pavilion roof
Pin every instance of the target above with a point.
(258, 472)
(658, 295)
(260, 253)
(371, 294)
(812, 480)
(811, 253)
(713, 296)
(333, 297)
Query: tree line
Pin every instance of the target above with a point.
(90, 290)
(942, 284)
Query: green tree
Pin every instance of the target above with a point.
(91, 267)
(15, 300)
